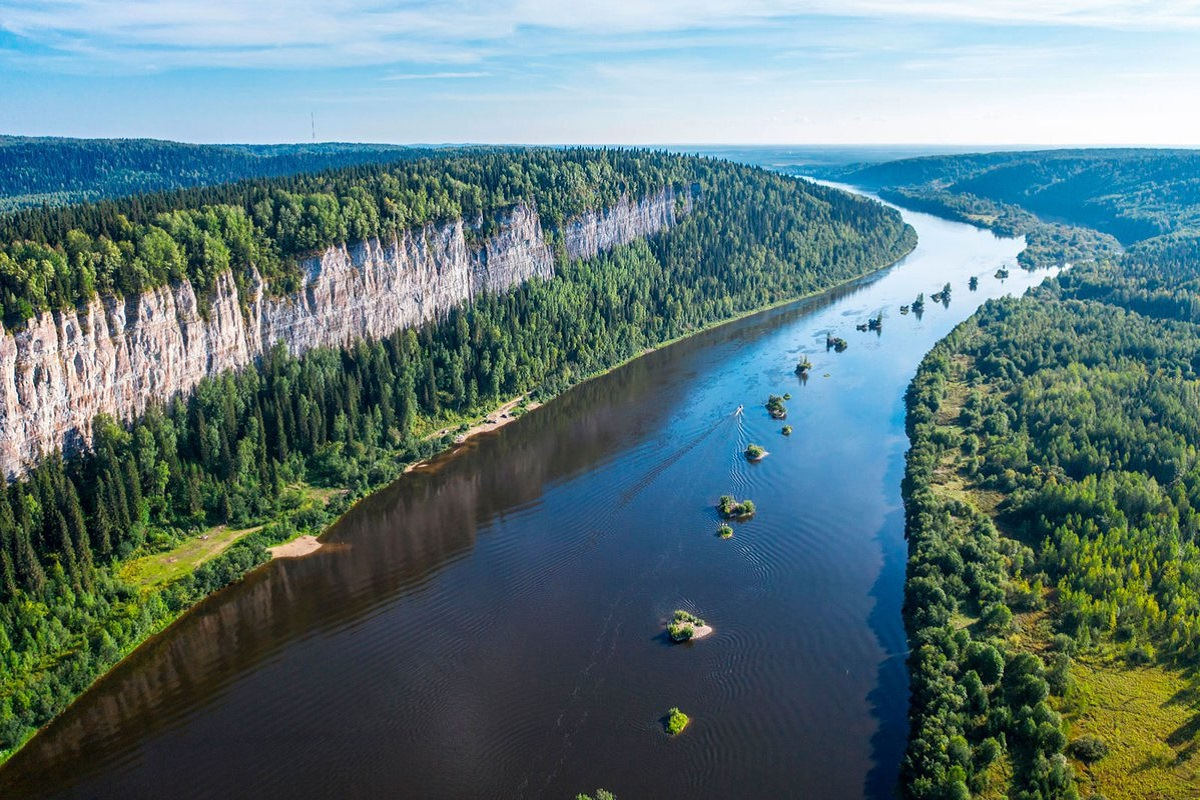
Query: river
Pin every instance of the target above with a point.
(491, 624)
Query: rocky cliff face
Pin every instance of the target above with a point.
(591, 234)
(119, 356)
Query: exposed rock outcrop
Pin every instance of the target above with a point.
(118, 356)
(588, 235)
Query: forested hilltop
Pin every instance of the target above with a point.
(37, 171)
(1053, 505)
(1071, 205)
(1131, 194)
(97, 552)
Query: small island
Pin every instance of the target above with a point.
(836, 342)
(903, 309)
(1002, 273)
(787, 430)
(734, 509)
(725, 531)
(684, 627)
(803, 366)
(756, 452)
(676, 721)
(775, 407)
(918, 305)
(973, 284)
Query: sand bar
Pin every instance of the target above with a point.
(296, 548)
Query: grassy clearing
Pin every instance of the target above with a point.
(321, 494)
(158, 569)
(1148, 717)
(956, 396)
(999, 779)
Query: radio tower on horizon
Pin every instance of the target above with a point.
(312, 118)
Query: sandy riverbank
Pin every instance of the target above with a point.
(495, 420)
(296, 548)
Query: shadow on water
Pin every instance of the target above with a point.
(889, 699)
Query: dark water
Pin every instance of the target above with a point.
(489, 626)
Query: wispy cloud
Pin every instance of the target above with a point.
(435, 76)
(990, 61)
(604, 70)
(305, 33)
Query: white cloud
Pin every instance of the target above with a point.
(987, 61)
(435, 76)
(663, 15)
(298, 33)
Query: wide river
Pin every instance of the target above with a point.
(490, 626)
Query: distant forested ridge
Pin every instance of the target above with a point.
(1071, 205)
(248, 448)
(36, 171)
(1053, 510)
(1131, 194)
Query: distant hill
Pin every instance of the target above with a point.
(1132, 194)
(804, 159)
(53, 171)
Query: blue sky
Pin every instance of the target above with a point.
(659, 71)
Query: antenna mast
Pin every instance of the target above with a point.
(312, 117)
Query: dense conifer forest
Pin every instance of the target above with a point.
(263, 446)
(38, 171)
(1053, 505)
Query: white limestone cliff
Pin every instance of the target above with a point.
(118, 356)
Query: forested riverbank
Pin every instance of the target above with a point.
(1051, 494)
(247, 448)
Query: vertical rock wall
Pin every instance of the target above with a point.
(118, 356)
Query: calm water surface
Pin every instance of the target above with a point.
(490, 626)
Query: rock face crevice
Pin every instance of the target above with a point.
(118, 356)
